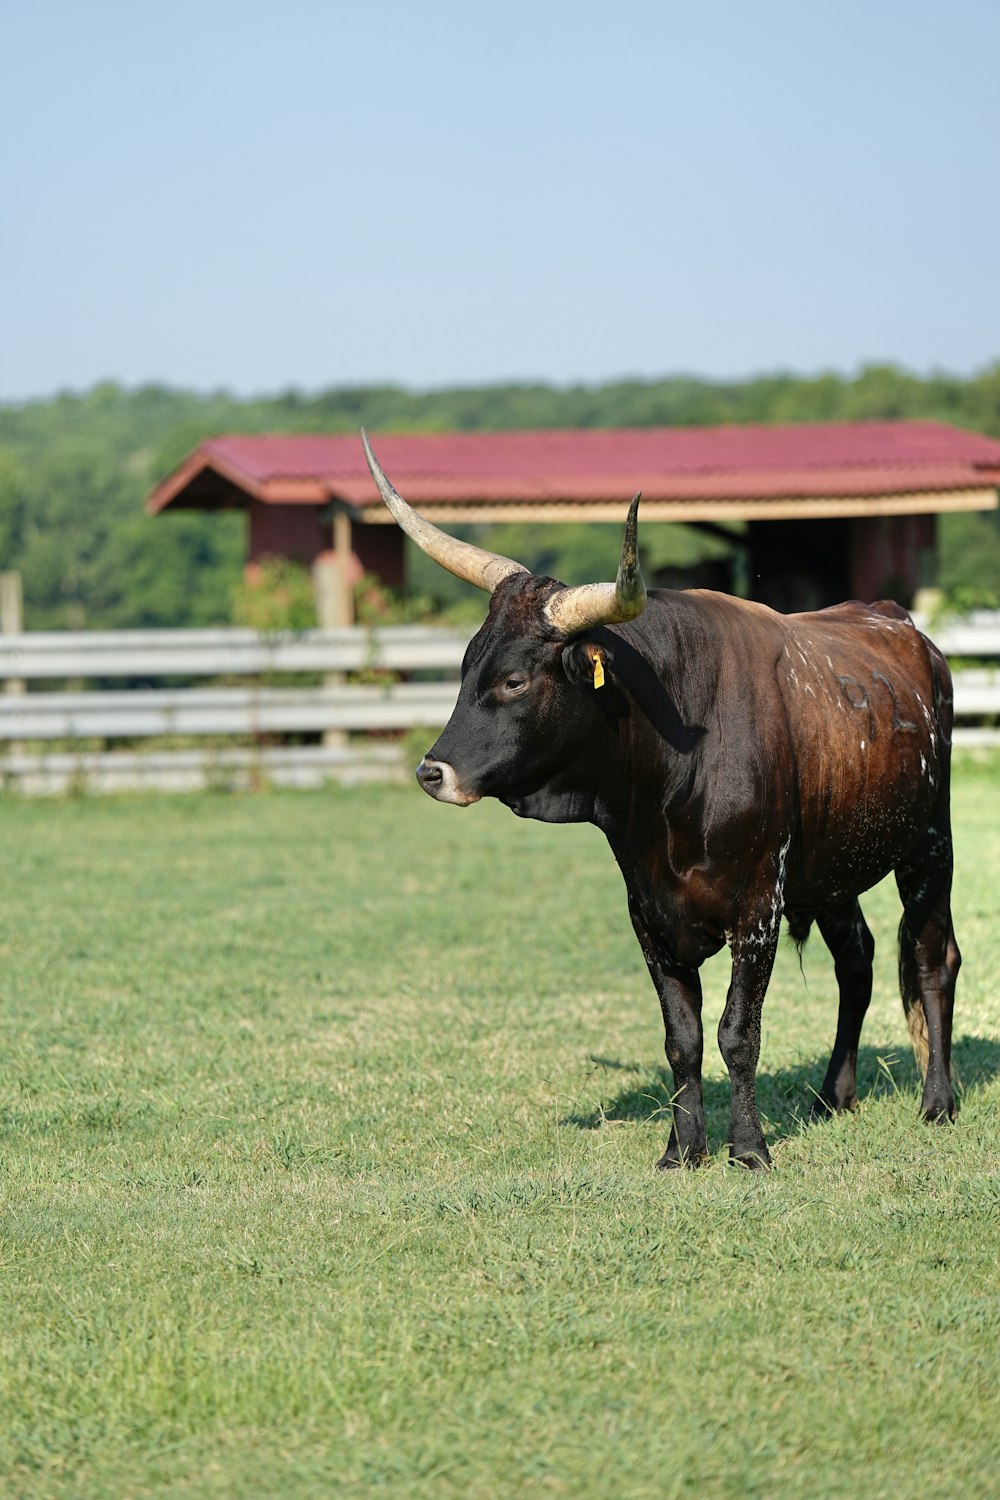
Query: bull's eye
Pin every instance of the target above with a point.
(512, 685)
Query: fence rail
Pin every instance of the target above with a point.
(70, 655)
(259, 711)
(976, 634)
(159, 712)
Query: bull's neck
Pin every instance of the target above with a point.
(667, 697)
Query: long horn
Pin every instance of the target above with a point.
(474, 564)
(572, 611)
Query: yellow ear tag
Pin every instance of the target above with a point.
(598, 671)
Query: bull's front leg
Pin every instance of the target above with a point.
(679, 991)
(754, 944)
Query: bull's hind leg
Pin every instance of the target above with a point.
(846, 934)
(754, 947)
(929, 962)
(679, 989)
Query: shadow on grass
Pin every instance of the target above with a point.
(784, 1095)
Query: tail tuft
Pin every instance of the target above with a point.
(799, 928)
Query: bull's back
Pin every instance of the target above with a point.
(867, 704)
(833, 724)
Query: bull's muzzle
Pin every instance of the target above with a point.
(439, 781)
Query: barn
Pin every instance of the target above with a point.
(827, 511)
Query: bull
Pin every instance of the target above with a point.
(744, 766)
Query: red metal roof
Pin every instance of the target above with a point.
(703, 464)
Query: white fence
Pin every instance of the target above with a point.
(252, 711)
(977, 689)
(33, 714)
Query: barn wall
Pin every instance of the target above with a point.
(810, 564)
(891, 556)
(791, 564)
(379, 550)
(794, 565)
(294, 531)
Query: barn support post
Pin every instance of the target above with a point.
(332, 586)
(333, 571)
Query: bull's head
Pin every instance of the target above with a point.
(527, 718)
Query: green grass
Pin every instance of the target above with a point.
(327, 1125)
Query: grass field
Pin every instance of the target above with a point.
(327, 1125)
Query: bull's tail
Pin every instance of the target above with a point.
(913, 1005)
(799, 928)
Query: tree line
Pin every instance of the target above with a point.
(75, 472)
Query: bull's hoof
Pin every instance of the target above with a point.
(754, 1161)
(939, 1112)
(673, 1160)
(822, 1107)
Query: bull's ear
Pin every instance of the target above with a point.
(586, 662)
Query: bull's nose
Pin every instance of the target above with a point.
(439, 781)
(430, 776)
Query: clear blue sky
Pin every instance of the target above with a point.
(256, 196)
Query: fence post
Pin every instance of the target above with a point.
(11, 606)
(12, 623)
